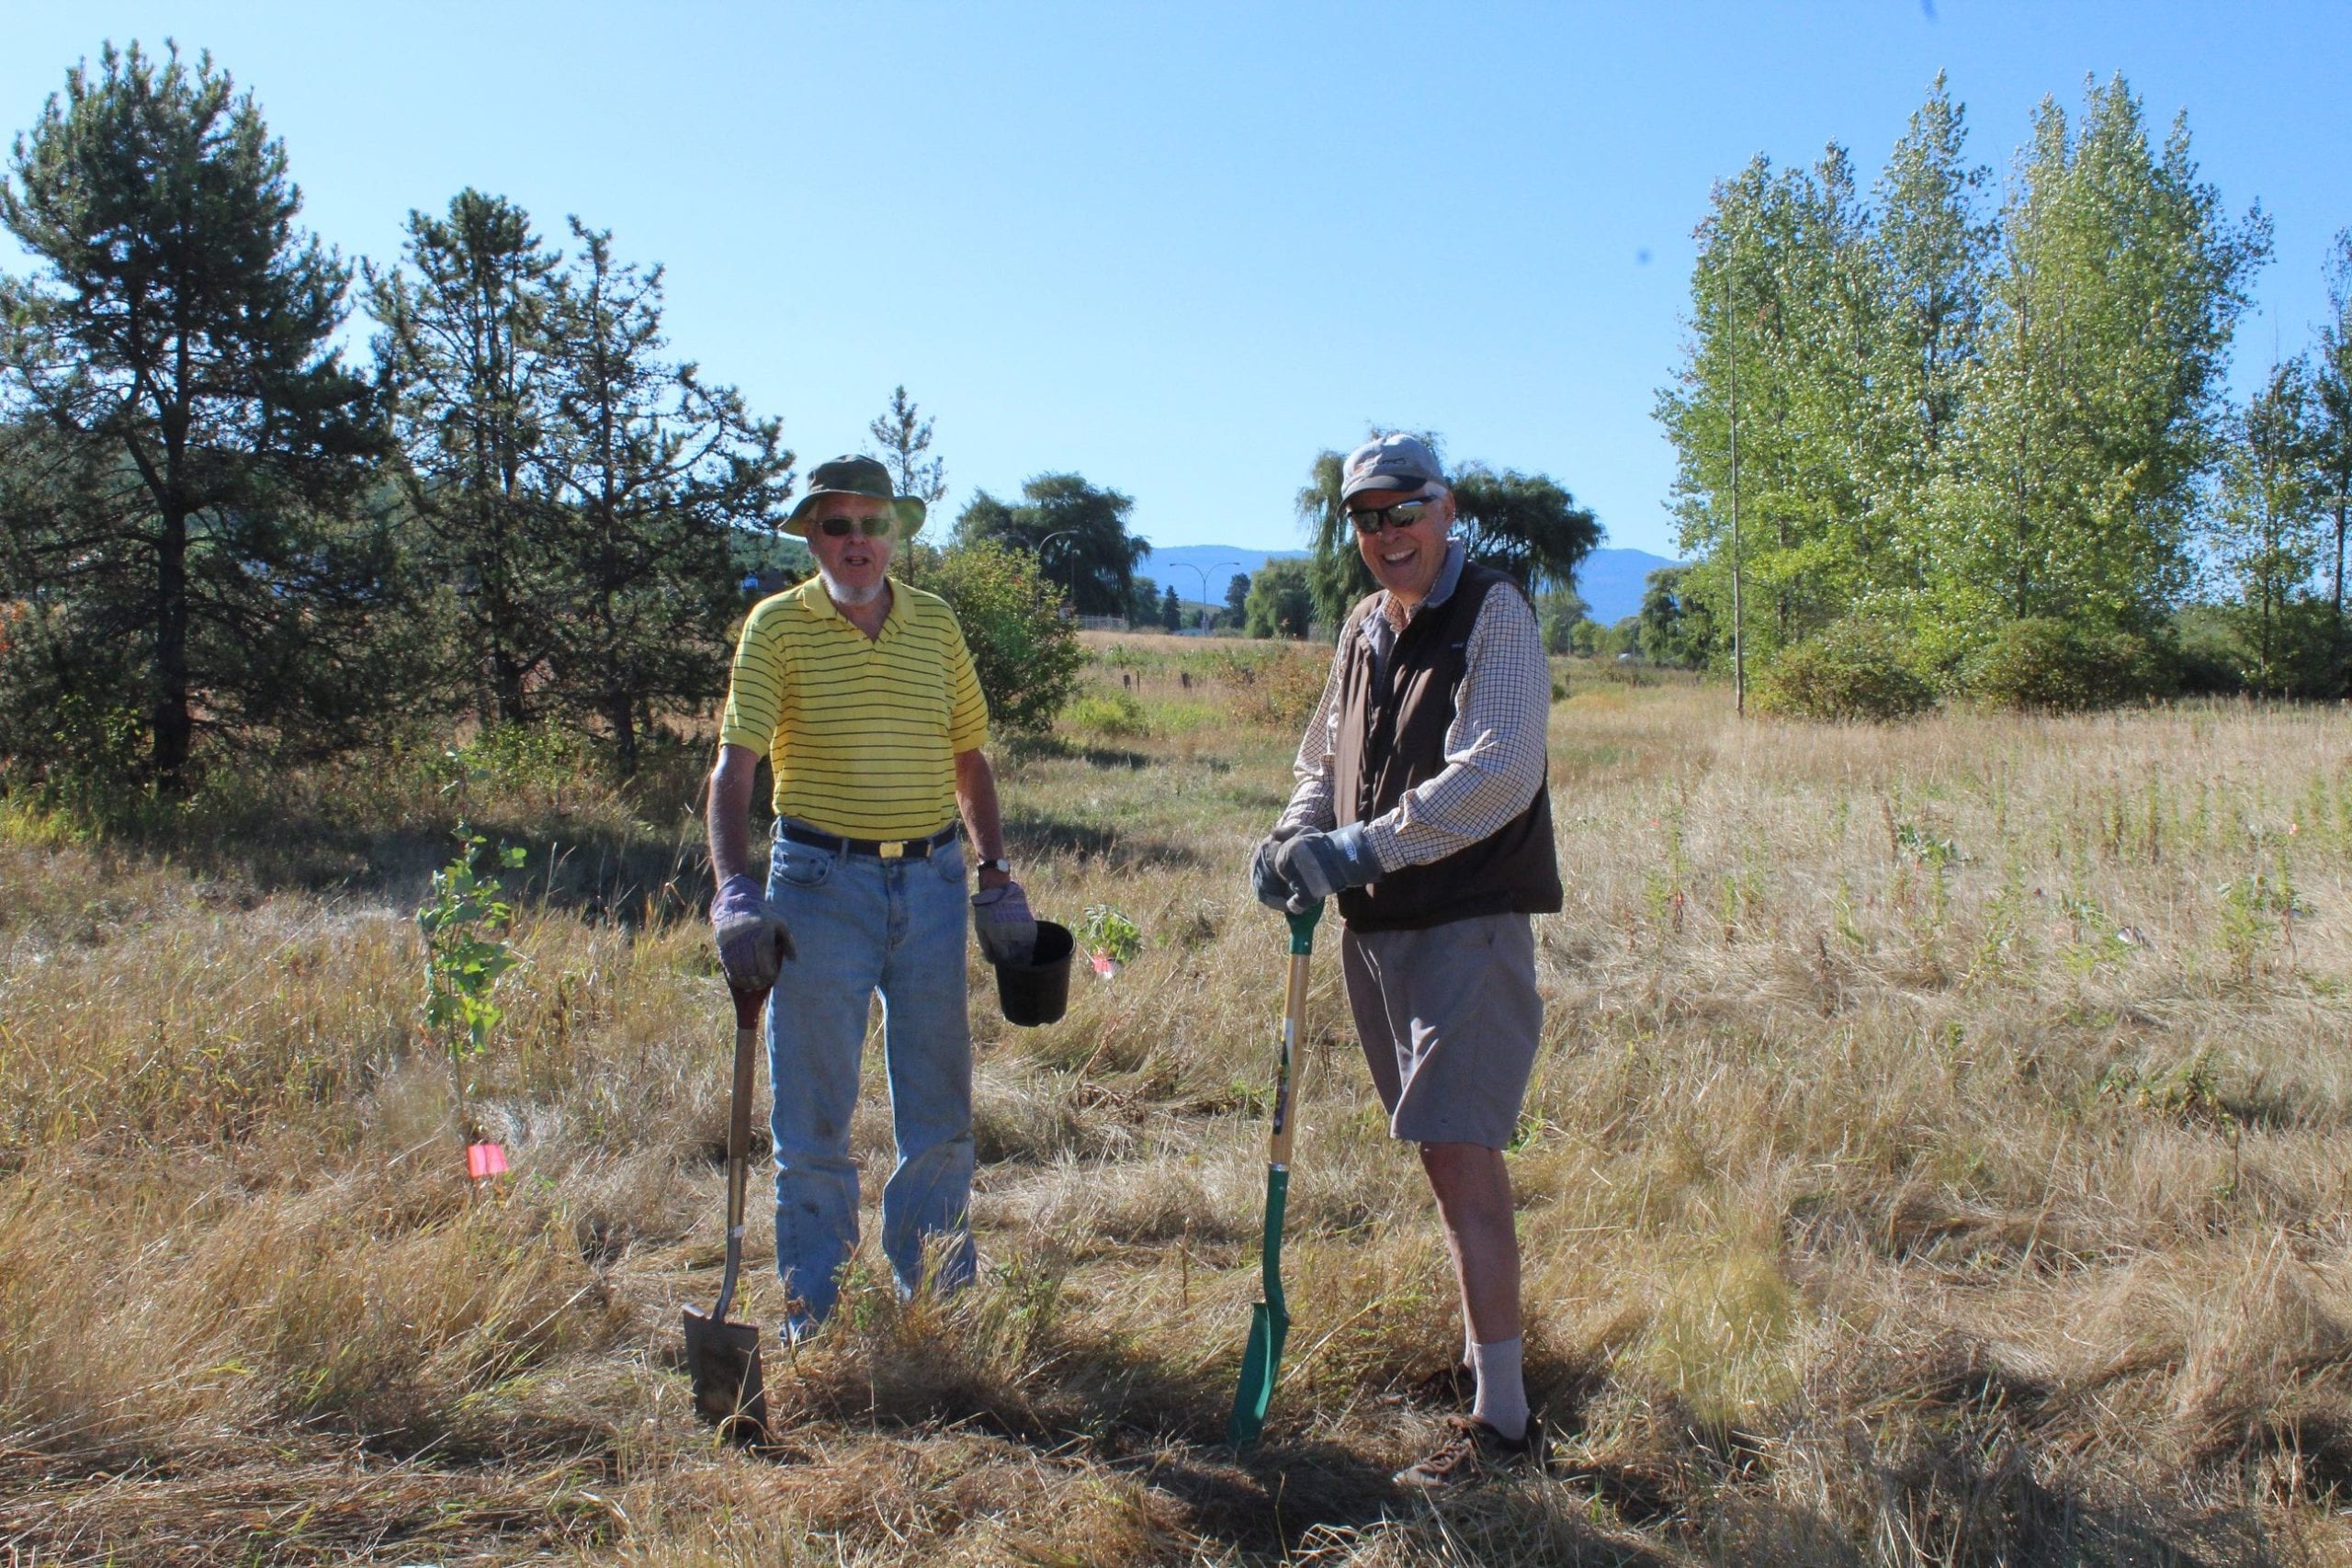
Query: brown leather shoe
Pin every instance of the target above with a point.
(1472, 1451)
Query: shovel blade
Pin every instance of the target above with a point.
(724, 1360)
(1261, 1361)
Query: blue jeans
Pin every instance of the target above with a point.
(863, 925)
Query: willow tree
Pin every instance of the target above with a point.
(1525, 525)
(1077, 531)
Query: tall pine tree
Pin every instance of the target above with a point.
(650, 472)
(182, 510)
(469, 373)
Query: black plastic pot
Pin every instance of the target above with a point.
(1038, 991)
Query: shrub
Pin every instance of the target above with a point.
(1281, 601)
(2044, 664)
(1025, 653)
(1854, 670)
(1271, 687)
(1113, 715)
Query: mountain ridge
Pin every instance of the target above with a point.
(1610, 580)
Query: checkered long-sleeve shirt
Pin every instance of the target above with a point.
(1494, 747)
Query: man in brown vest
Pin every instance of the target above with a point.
(1420, 804)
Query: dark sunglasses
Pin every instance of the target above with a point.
(1404, 514)
(872, 527)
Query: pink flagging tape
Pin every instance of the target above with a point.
(485, 1159)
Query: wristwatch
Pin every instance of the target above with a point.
(1000, 864)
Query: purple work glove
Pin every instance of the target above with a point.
(1008, 932)
(1319, 864)
(753, 943)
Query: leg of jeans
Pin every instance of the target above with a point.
(927, 1042)
(816, 1032)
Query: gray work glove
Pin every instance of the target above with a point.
(752, 942)
(1272, 888)
(1319, 864)
(1008, 932)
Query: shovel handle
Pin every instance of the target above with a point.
(1301, 929)
(1302, 947)
(748, 1005)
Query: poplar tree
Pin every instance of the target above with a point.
(2098, 408)
(2266, 526)
(1932, 243)
(1786, 305)
(181, 509)
(2331, 387)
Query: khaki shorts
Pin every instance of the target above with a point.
(1449, 1019)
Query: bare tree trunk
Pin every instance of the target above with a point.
(170, 718)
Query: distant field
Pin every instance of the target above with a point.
(1940, 1155)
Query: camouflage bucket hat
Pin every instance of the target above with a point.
(855, 476)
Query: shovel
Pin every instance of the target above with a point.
(723, 1357)
(1270, 1319)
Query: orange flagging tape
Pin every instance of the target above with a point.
(485, 1159)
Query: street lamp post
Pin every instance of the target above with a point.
(1204, 576)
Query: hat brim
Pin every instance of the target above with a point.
(909, 510)
(1356, 486)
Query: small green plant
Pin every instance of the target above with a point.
(2095, 938)
(466, 919)
(1115, 716)
(1928, 850)
(2189, 1091)
(1111, 935)
(2251, 906)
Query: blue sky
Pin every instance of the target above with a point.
(1178, 248)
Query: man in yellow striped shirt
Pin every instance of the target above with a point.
(860, 691)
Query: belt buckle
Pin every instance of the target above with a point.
(893, 849)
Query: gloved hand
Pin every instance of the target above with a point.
(1272, 888)
(752, 942)
(1319, 864)
(1000, 918)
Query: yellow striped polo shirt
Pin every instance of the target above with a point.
(862, 732)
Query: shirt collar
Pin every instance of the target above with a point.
(820, 603)
(1449, 576)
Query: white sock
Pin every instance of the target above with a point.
(1469, 1345)
(1502, 1394)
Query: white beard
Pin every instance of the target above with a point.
(841, 595)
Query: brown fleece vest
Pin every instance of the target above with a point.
(1392, 737)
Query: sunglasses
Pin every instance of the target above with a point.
(872, 527)
(1404, 514)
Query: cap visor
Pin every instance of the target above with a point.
(1356, 486)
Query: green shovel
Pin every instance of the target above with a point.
(1270, 1319)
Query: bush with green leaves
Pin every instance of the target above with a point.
(2044, 664)
(1025, 652)
(1113, 715)
(1852, 670)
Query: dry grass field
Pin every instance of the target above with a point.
(1942, 1153)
